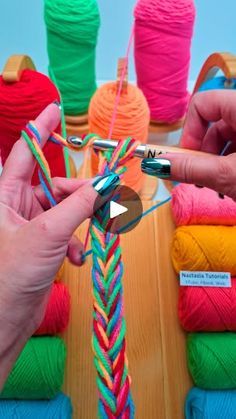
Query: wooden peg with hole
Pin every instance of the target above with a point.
(77, 125)
(14, 67)
(122, 72)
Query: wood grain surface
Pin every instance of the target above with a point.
(155, 342)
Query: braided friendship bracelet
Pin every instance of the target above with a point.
(109, 326)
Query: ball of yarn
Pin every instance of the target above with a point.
(204, 248)
(192, 205)
(217, 83)
(58, 408)
(209, 309)
(39, 370)
(72, 30)
(163, 33)
(21, 102)
(57, 314)
(203, 404)
(212, 360)
(132, 120)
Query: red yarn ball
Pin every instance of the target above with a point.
(21, 102)
(208, 309)
(57, 314)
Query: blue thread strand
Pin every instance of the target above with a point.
(46, 190)
(36, 133)
(135, 220)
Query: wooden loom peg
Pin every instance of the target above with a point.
(224, 61)
(122, 71)
(14, 67)
(77, 125)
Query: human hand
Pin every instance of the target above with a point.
(210, 124)
(34, 238)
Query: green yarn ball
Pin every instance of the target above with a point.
(72, 31)
(39, 370)
(212, 360)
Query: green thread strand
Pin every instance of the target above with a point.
(111, 403)
(98, 298)
(72, 31)
(37, 156)
(114, 262)
(112, 298)
(100, 355)
(98, 367)
(67, 161)
(124, 376)
(109, 281)
(119, 339)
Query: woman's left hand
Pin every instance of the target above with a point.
(34, 240)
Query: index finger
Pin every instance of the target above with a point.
(207, 107)
(20, 162)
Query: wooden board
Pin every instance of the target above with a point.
(155, 342)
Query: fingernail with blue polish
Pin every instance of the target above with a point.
(105, 184)
(57, 104)
(83, 259)
(160, 168)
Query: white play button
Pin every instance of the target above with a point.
(119, 214)
(116, 209)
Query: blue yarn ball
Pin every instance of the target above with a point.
(58, 408)
(216, 83)
(210, 404)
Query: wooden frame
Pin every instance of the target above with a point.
(224, 61)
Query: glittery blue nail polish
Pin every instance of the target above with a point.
(105, 184)
(160, 168)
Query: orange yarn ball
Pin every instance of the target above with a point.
(204, 248)
(132, 120)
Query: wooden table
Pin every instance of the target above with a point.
(155, 341)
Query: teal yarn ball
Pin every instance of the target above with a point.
(72, 31)
(212, 360)
(210, 404)
(58, 408)
(39, 370)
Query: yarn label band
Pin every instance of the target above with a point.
(205, 279)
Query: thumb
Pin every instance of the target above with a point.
(215, 172)
(59, 223)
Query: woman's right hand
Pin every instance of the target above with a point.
(210, 124)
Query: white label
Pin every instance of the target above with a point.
(205, 279)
